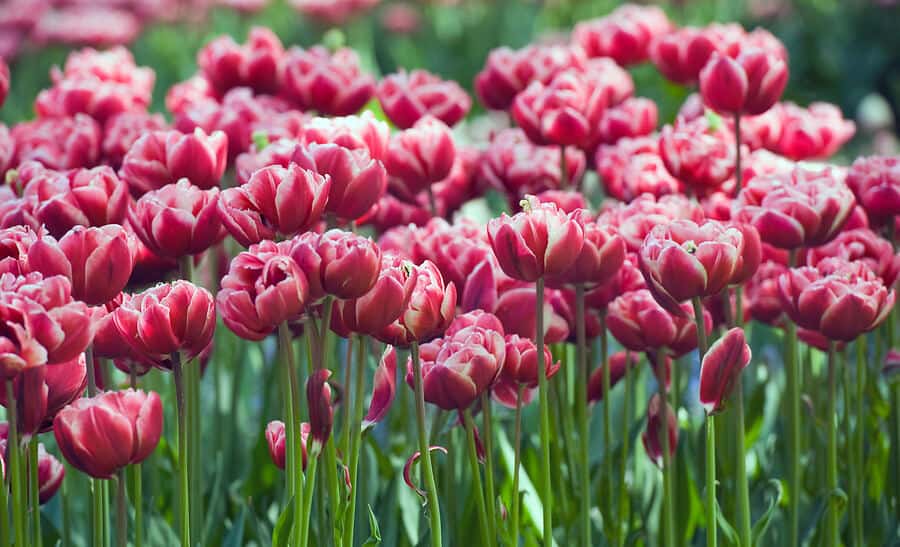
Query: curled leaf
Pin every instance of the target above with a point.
(384, 388)
(407, 469)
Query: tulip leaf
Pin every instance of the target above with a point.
(283, 527)
(761, 525)
(374, 530)
(727, 529)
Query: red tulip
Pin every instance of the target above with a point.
(168, 318)
(749, 84)
(383, 390)
(357, 180)
(565, 112)
(801, 209)
(507, 72)
(639, 323)
(178, 219)
(539, 241)
(337, 263)
(840, 300)
(420, 156)
(698, 155)
(408, 97)
(382, 305)
(431, 308)
(633, 117)
(456, 249)
(330, 83)
(351, 132)
(102, 434)
(619, 363)
(276, 200)
(876, 182)
(59, 143)
(600, 257)
(321, 413)
(165, 157)
(722, 365)
(97, 261)
(817, 131)
(632, 168)
(42, 392)
(859, 245)
(226, 64)
(763, 303)
(14, 245)
(624, 35)
(276, 440)
(123, 130)
(520, 365)
(263, 288)
(652, 435)
(515, 308)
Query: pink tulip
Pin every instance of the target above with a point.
(165, 157)
(600, 257)
(508, 72)
(408, 97)
(651, 437)
(255, 64)
(351, 132)
(815, 132)
(419, 156)
(625, 34)
(876, 182)
(721, 367)
(321, 412)
(695, 153)
(337, 263)
(431, 308)
(178, 219)
(382, 305)
(633, 117)
(123, 130)
(330, 83)
(42, 392)
(619, 363)
(751, 83)
(59, 143)
(357, 180)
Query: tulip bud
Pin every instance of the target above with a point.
(102, 434)
(408, 97)
(276, 440)
(321, 413)
(178, 219)
(652, 436)
(750, 83)
(420, 156)
(721, 367)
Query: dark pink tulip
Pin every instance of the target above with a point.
(600, 257)
(520, 365)
(858, 245)
(21, 349)
(565, 112)
(254, 64)
(802, 208)
(14, 245)
(165, 157)
(431, 308)
(516, 310)
(321, 413)
(633, 117)
(110, 65)
(337, 263)
(567, 201)
(632, 168)
(51, 473)
(507, 72)
(357, 180)
(276, 200)
(619, 363)
(352, 132)
(639, 323)
(627, 279)
(187, 93)
(722, 365)
(390, 212)
(761, 293)
(539, 241)
(276, 440)
(281, 152)
(456, 249)
(383, 390)
(332, 12)
(123, 130)
(697, 154)
(680, 55)
(838, 299)
(382, 305)
(815, 132)
(97, 261)
(420, 156)
(624, 35)
(762, 163)
(652, 435)
(408, 97)
(401, 18)
(59, 143)
(178, 219)
(102, 434)
(751, 83)
(330, 83)
(876, 182)
(263, 288)
(685, 260)
(515, 165)
(168, 318)
(41, 392)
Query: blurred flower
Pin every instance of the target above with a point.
(351, 132)
(751, 83)
(619, 363)
(761, 292)
(634, 220)
(406, 97)
(122, 130)
(682, 53)
(652, 435)
(507, 72)
(165, 157)
(50, 470)
(102, 434)
(330, 83)
(632, 167)
(876, 182)
(384, 388)
(633, 117)
(321, 412)
(4, 81)
(183, 95)
(624, 34)
(628, 278)
(815, 132)
(255, 64)
(520, 366)
(58, 143)
(98, 26)
(332, 12)
(701, 156)
(721, 367)
(859, 245)
(419, 156)
(401, 18)
(516, 307)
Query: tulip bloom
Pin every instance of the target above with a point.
(698, 155)
(408, 97)
(165, 157)
(123, 130)
(721, 366)
(860, 244)
(226, 64)
(420, 156)
(507, 72)
(639, 323)
(50, 470)
(652, 435)
(520, 363)
(331, 83)
(337, 263)
(102, 434)
(817, 131)
(624, 35)
(566, 112)
(680, 55)
(600, 257)
(749, 84)
(321, 413)
(178, 219)
(41, 392)
(59, 143)
(275, 438)
(357, 180)
(618, 363)
(633, 117)
(431, 308)
(382, 305)
(876, 182)
(351, 132)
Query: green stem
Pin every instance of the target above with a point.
(64, 501)
(293, 456)
(306, 509)
(581, 396)
(517, 461)
(354, 445)
(15, 466)
(668, 510)
(33, 492)
(331, 480)
(860, 438)
(624, 498)
(4, 508)
(487, 438)
(743, 492)
(544, 402)
(121, 511)
(194, 408)
(711, 525)
(476, 478)
(434, 509)
(137, 495)
(831, 536)
(792, 381)
(184, 480)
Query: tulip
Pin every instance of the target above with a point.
(357, 180)
(507, 72)
(627, 279)
(633, 221)
(383, 390)
(520, 365)
(698, 155)
(431, 308)
(328, 82)
(14, 245)
(122, 130)
(751, 83)
(7, 149)
(639, 323)
(632, 168)
(817, 131)
(456, 249)
(652, 436)
(420, 156)
(276, 200)
(516, 309)
(321, 413)
(633, 117)
(600, 257)
(875, 180)
(226, 64)
(178, 219)
(351, 132)
(722, 365)
(192, 91)
(382, 305)
(567, 201)
(565, 112)
(50, 472)
(42, 392)
(618, 364)
(102, 434)
(681, 54)
(337, 263)
(59, 143)
(275, 438)
(624, 35)
(762, 301)
(97, 261)
(408, 97)
(862, 245)
(263, 288)
(165, 157)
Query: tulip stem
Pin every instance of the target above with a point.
(184, 481)
(581, 396)
(4, 508)
(668, 510)
(355, 438)
(831, 536)
(624, 498)
(434, 509)
(195, 442)
(15, 465)
(516, 463)
(34, 492)
(740, 469)
(294, 455)
(121, 511)
(544, 395)
(306, 508)
(860, 438)
(711, 523)
(792, 381)
(490, 495)
(137, 495)
(476, 478)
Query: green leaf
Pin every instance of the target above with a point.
(374, 530)
(727, 529)
(283, 527)
(761, 525)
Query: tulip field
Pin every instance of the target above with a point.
(449, 272)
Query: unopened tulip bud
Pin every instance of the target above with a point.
(321, 413)
(652, 436)
(721, 367)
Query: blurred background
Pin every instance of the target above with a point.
(842, 51)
